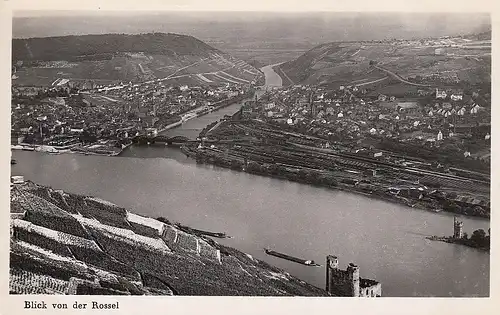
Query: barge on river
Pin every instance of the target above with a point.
(291, 258)
(201, 232)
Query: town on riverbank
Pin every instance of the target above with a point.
(307, 134)
(105, 121)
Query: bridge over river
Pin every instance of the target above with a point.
(179, 140)
(176, 140)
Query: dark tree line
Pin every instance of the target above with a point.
(478, 239)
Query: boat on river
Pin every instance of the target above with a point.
(291, 258)
(202, 232)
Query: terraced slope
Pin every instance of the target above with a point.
(425, 62)
(63, 243)
(111, 58)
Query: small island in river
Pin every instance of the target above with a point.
(479, 239)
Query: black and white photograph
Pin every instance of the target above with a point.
(250, 153)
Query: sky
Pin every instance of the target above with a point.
(238, 27)
(256, 5)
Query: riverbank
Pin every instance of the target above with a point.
(254, 147)
(295, 175)
(92, 149)
(285, 79)
(315, 177)
(249, 144)
(171, 126)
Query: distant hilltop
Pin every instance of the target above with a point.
(62, 243)
(73, 48)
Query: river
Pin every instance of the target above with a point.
(386, 240)
(272, 78)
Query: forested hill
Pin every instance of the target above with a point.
(74, 47)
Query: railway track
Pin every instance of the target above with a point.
(309, 156)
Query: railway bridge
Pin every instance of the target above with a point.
(175, 140)
(179, 140)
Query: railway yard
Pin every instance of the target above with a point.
(259, 148)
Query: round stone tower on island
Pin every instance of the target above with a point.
(458, 228)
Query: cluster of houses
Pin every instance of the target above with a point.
(344, 115)
(115, 113)
(454, 95)
(160, 99)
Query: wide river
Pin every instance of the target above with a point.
(386, 240)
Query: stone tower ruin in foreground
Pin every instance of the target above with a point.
(348, 282)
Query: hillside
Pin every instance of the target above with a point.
(438, 61)
(111, 58)
(74, 48)
(62, 243)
